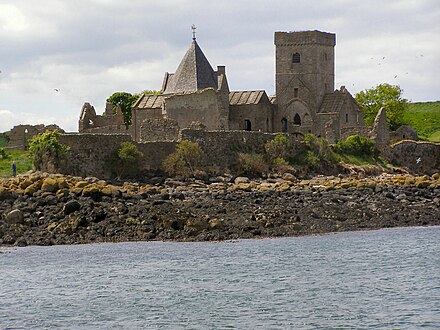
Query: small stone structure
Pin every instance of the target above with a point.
(404, 132)
(20, 135)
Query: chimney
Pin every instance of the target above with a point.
(221, 69)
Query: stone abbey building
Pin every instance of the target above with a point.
(196, 95)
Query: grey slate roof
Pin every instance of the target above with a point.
(149, 101)
(193, 73)
(245, 97)
(334, 102)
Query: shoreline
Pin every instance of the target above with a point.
(42, 209)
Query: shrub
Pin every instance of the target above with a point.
(252, 164)
(277, 148)
(3, 154)
(127, 159)
(319, 154)
(184, 161)
(45, 148)
(357, 146)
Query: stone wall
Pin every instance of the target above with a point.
(221, 148)
(260, 116)
(404, 132)
(418, 157)
(204, 106)
(159, 130)
(90, 154)
(20, 135)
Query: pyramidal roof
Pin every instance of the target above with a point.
(193, 73)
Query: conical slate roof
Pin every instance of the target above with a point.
(193, 73)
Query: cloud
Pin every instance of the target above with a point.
(91, 48)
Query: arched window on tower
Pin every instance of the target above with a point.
(284, 125)
(296, 58)
(297, 120)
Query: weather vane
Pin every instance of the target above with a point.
(193, 27)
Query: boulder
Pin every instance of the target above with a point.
(14, 217)
(71, 206)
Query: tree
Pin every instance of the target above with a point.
(125, 101)
(127, 159)
(46, 150)
(386, 96)
(184, 160)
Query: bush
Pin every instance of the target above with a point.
(127, 159)
(184, 161)
(45, 148)
(3, 154)
(252, 164)
(319, 153)
(277, 148)
(357, 146)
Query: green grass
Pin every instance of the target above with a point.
(22, 159)
(424, 117)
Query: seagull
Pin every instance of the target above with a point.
(395, 76)
(383, 57)
(418, 160)
(56, 89)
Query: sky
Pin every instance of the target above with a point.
(55, 55)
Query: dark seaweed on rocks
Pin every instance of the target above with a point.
(43, 209)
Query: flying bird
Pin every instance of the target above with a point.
(395, 76)
(56, 89)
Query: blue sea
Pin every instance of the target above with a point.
(386, 279)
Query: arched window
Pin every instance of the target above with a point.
(297, 119)
(284, 125)
(267, 124)
(296, 58)
(247, 125)
(346, 117)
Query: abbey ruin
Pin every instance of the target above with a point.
(196, 104)
(305, 100)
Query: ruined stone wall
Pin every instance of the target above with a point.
(140, 115)
(404, 132)
(260, 116)
(90, 154)
(204, 106)
(112, 129)
(20, 135)
(222, 148)
(418, 157)
(159, 130)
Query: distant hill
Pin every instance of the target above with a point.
(424, 117)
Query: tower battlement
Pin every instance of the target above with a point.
(305, 38)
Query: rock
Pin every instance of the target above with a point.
(14, 217)
(71, 206)
(21, 242)
(49, 185)
(5, 194)
(289, 177)
(241, 179)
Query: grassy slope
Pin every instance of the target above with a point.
(424, 117)
(3, 140)
(22, 160)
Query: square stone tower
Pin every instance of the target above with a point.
(304, 73)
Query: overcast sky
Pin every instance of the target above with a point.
(56, 55)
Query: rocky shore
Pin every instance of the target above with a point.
(42, 209)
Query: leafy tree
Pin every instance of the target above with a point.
(46, 148)
(184, 160)
(386, 96)
(127, 159)
(125, 101)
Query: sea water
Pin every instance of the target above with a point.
(386, 279)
